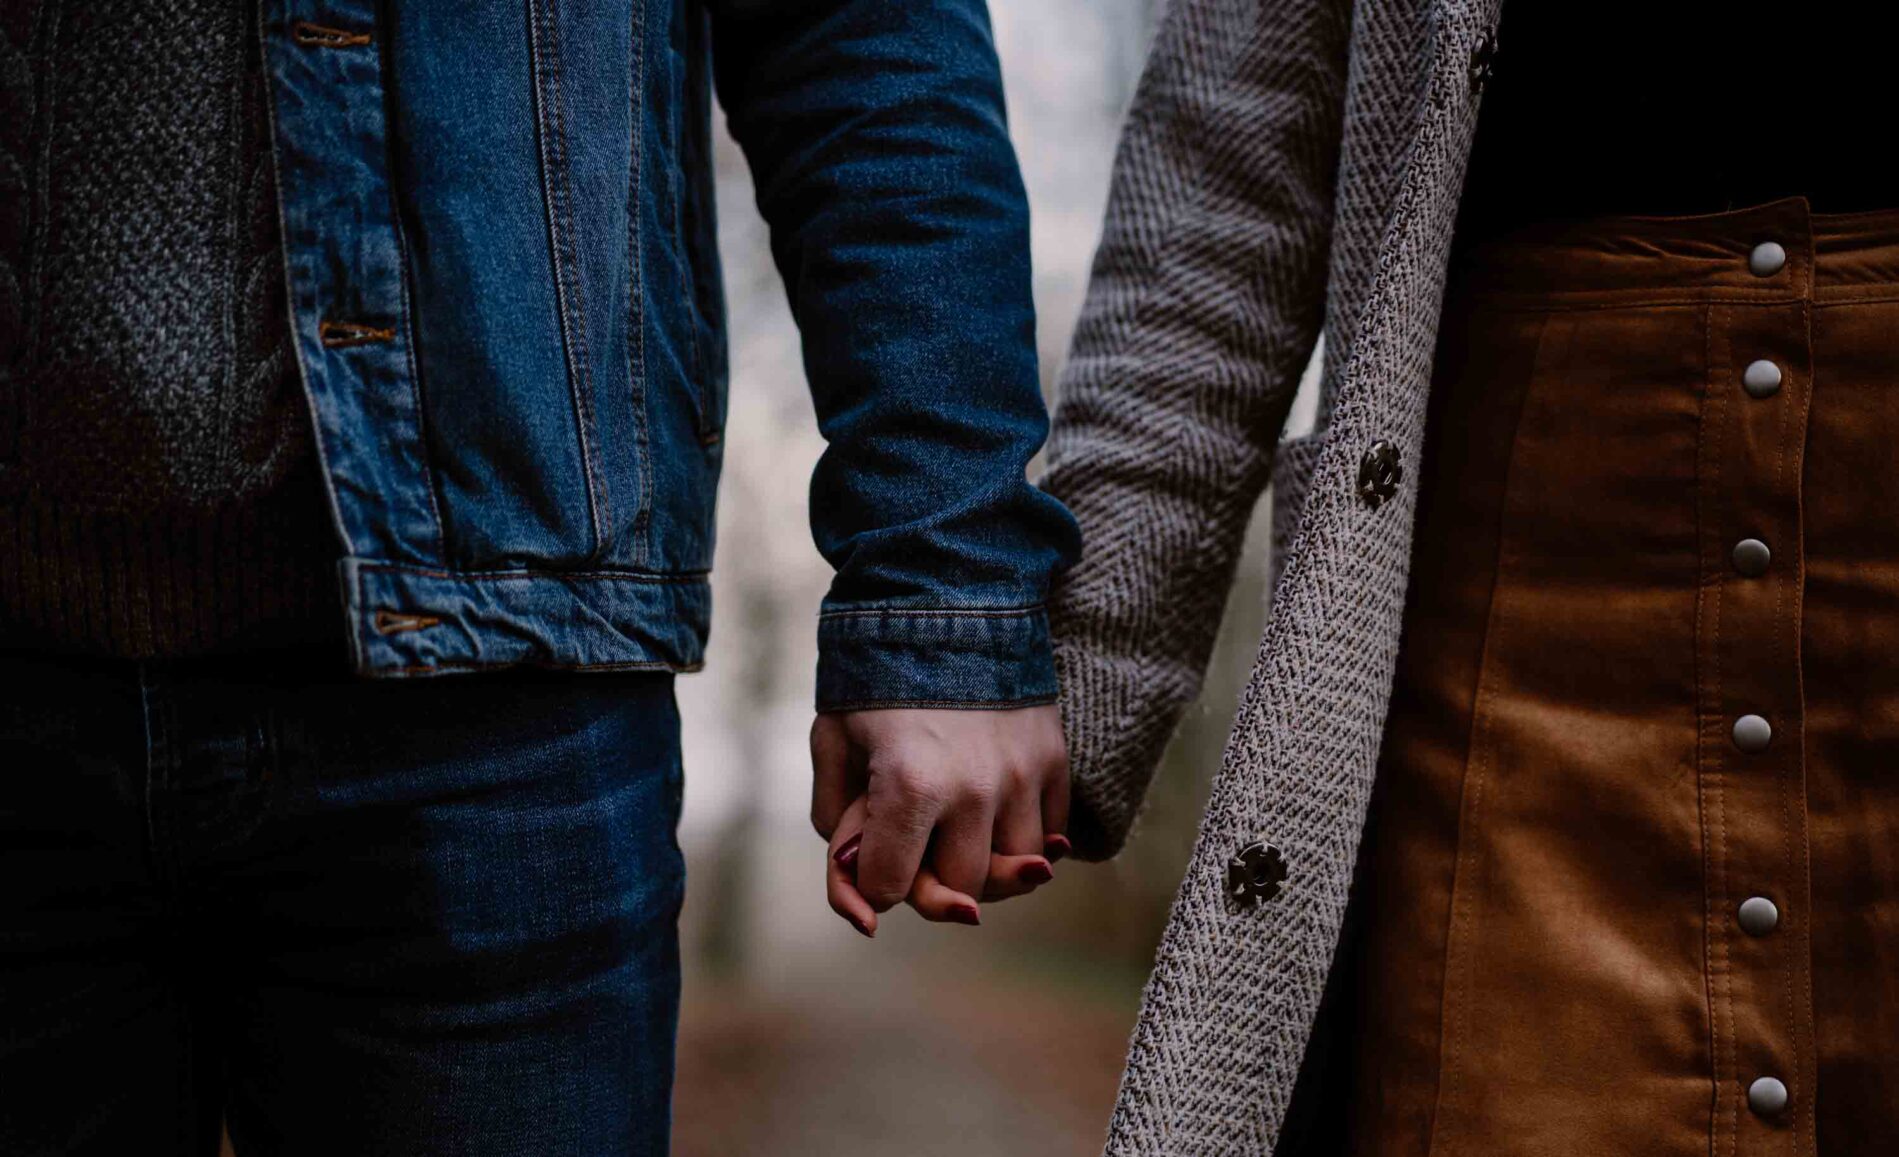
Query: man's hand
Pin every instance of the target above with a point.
(937, 806)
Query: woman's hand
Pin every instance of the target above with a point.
(937, 807)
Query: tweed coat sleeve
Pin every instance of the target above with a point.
(1206, 300)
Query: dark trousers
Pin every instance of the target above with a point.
(342, 917)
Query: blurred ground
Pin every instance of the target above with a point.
(933, 1060)
(798, 1036)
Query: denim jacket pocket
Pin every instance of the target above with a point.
(1292, 479)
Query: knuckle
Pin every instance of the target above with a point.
(915, 785)
(979, 792)
(882, 899)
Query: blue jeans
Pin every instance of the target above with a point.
(417, 917)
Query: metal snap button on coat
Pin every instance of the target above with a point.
(1379, 473)
(1751, 557)
(1766, 259)
(1766, 1096)
(1751, 733)
(1761, 379)
(1758, 916)
(1255, 873)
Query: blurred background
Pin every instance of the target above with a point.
(800, 1037)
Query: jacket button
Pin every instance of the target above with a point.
(1751, 557)
(1758, 916)
(1767, 1097)
(1379, 473)
(1761, 379)
(1483, 62)
(1766, 259)
(1255, 873)
(1752, 733)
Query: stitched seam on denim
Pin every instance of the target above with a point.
(684, 578)
(557, 189)
(944, 704)
(291, 300)
(1027, 612)
(702, 406)
(449, 668)
(636, 291)
(431, 482)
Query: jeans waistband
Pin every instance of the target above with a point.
(1731, 256)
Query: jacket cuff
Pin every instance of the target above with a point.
(972, 658)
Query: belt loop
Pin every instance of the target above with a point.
(1800, 248)
(1808, 251)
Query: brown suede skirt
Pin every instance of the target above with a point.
(1631, 881)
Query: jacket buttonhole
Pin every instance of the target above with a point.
(342, 334)
(322, 36)
(389, 622)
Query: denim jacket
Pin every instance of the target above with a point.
(498, 222)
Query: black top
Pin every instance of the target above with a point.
(1669, 107)
(159, 490)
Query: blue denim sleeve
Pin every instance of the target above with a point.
(877, 139)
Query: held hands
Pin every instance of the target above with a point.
(937, 808)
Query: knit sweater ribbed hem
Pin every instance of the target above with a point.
(245, 577)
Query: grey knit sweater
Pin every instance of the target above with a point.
(157, 488)
(1288, 165)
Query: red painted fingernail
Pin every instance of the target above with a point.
(1057, 847)
(1035, 873)
(965, 914)
(862, 928)
(847, 855)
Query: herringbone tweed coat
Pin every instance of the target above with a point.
(1287, 165)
